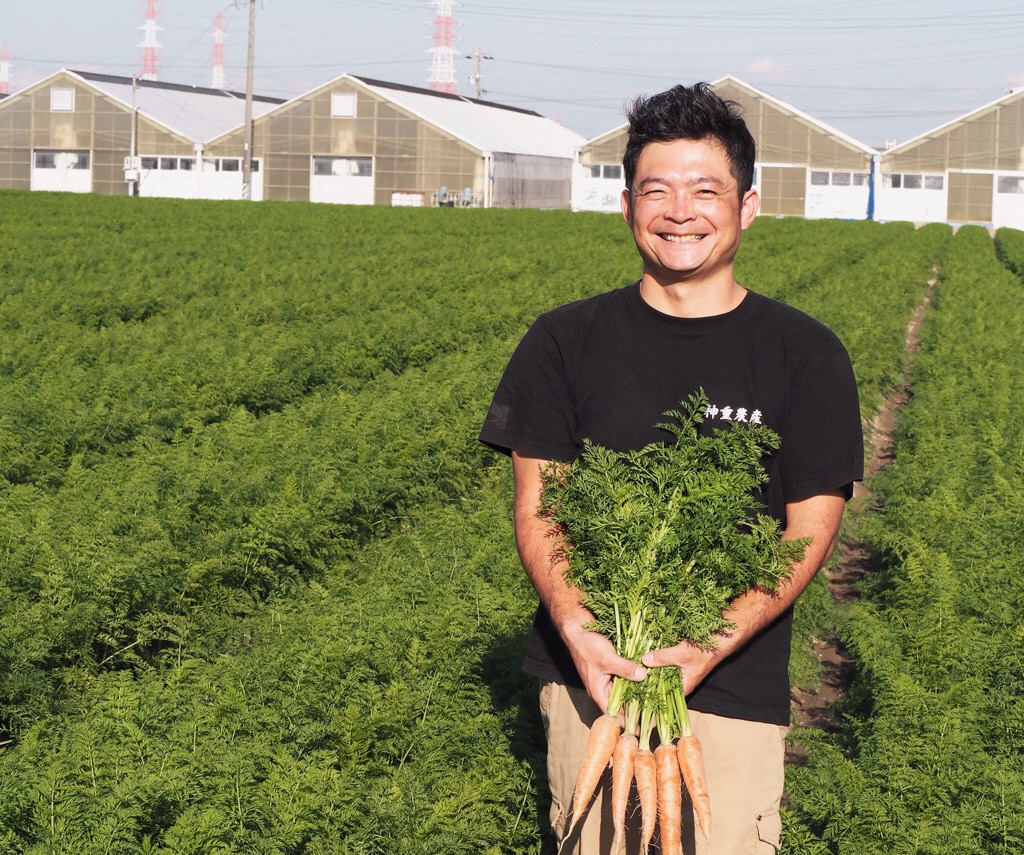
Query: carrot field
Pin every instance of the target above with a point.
(258, 588)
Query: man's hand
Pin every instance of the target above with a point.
(695, 663)
(598, 663)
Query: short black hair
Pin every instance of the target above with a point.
(690, 113)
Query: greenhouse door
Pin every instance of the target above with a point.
(67, 171)
(342, 180)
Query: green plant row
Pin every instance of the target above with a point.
(931, 759)
(377, 712)
(142, 557)
(183, 313)
(1010, 249)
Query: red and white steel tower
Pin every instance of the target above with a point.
(5, 71)
(442, 68)
(218, 52)
(150, 45)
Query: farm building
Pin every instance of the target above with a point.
(804, 167)
(970, 170)
(353, 141)
(361, 141)
(73, 131)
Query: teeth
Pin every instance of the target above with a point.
(683, 238)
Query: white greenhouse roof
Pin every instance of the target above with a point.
(491, 128)
(758, 93)
(807, 117)
(1012, 95)
(193, 112)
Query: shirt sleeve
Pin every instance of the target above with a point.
(823, 442)
(532, 410)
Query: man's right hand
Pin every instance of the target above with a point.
(598, 663)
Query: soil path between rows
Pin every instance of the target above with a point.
(815, 709)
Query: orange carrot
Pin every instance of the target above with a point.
(604, 733)
(670, 799)
(622, 780)
(646, 774)
(691, 765)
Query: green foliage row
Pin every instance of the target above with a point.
(183, 313)
(257, 583)
(1010, 249)
(376, 712)
(932, 756)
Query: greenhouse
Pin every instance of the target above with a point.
(970, 170)
(351, 141)
(804, 167)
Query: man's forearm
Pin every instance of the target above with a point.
(538, 543)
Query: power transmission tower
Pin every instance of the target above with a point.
(217, 78)
(150, 46)
(442, 68)
(5, 71)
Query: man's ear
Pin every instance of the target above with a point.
(749, 207)
(627, 208)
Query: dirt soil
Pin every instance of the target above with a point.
(815, 709)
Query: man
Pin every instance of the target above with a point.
(607, 368)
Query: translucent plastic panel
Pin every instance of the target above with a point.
(609, 151)
(783, 191)
(970, 198)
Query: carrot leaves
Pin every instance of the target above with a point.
(665, 533)
(660, 539)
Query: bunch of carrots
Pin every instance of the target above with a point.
(660, 540)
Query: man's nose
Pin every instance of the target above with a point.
(680, 207)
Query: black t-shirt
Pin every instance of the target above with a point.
(608, 367)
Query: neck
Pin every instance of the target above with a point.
(692, 299)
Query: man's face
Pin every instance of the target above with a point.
(685, 210)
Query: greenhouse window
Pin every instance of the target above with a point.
(62, 100)
(343, 105)
(1010, 184)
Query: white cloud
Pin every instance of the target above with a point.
(767, 67)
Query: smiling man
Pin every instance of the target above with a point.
(606, 369)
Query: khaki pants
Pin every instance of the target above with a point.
(743, 761)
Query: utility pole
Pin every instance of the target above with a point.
(131, 163)
(247, 154)
(476, 77)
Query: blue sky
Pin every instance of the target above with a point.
(875, 70)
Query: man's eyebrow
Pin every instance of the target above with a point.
(650, 180)
(690, 182)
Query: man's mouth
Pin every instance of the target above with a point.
(683, 238)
